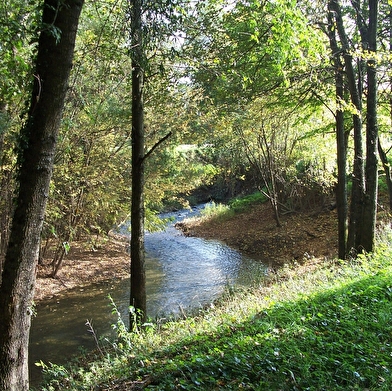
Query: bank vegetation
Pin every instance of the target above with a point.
(318, 324)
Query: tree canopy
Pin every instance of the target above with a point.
(289, 98)
(217, 73)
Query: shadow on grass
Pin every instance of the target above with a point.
(335, 340)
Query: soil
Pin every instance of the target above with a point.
(85, 264)
(302, 237)
(255, 233)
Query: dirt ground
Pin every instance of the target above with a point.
(255, 233)
(301, 237)
(84, 265)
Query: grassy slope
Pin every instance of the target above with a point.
(320, 326)
(329, 329)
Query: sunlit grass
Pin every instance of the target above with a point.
(240, 204)
(216, 210)
(219, 211)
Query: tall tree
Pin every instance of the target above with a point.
(362, 217)
(341, 142)
(371, 170)
(37, 147)
(151, 26)
(138, 274)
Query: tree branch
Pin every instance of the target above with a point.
(163, 139)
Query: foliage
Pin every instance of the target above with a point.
(18, 33)
(263, 65)
(240, 204)
(241, 87)
(18, 37)
(318, 328)
(90, 188)
(294, 170)
(90, 191)
(237, 205)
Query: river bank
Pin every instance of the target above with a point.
(298, 332)
(303, 238)
(84, 265)
(297, 329)
(254, 232)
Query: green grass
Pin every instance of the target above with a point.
(221, 212)
(327, 327)
(240, 204)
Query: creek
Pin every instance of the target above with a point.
(182, 274)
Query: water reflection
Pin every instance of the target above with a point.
(182, 272)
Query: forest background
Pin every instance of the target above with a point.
(244, 94)
(249, 97)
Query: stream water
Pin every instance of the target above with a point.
(182, 273)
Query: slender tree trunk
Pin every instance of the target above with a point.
(341, 194)
(138, 275)
(381, 152)
(38, 142)
(387, 169)
(370, 205)
(355, 89)
(341, 143)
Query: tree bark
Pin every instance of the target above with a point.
(37, 148)
(341, 143)
(138, 275)
(371, 171)
(355, 81)
(387, 169)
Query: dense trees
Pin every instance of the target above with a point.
(270, 50)
(204, 76)
(356, 72)
(90, 187)
(248, 90)
(261, 63)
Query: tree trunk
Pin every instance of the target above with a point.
(387, 170)
(370, 204)
(138, 275)
(341, 143)
(341, 194)
(358, 178)
(364, 181)
(37, 143)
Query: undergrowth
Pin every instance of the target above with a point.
(237, 205)
(325, 325)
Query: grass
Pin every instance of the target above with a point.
(241, 204)
(222, 212)
(325, 325)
